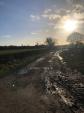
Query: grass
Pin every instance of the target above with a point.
(15, 51)
(74, 58)
(11, 60)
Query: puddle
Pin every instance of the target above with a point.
(59, 57)
(66, 100)
(23, 71)
(57, 54)
(32, 67)
(39, 60)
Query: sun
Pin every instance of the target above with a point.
(70, 25)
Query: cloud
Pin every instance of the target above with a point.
(40, 32)
(55, 18)
(78, 8)
(69, 1)
(51, 16)
(51, 24)
(6, 36)
(34, 33)
(34, 17)
(76, 12)
(47, 11)
(73, 2)
(46, 15)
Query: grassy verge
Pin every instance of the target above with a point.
(74, 58)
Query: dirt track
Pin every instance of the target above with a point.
(45, 86)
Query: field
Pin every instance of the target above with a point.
(5, 52)
(13, 59)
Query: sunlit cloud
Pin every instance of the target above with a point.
(51, 16)
(78, 8)
(62, 11)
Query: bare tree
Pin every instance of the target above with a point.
(75, 37)
(50, 42)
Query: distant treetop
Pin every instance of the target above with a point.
(75, 37)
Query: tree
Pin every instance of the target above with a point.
(75, 38)
(50, 42)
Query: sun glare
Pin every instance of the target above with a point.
(70, 25)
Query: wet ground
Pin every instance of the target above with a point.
(45, 86)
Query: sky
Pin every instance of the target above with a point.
(26, 22)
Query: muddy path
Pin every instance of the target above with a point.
(45, 86)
